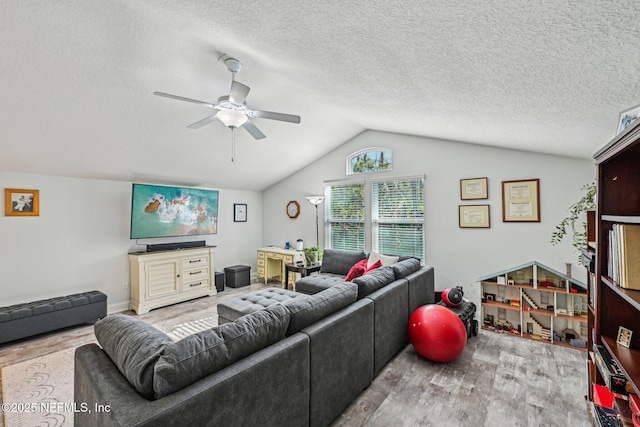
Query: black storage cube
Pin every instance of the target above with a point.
(219, 281)
(237, 276)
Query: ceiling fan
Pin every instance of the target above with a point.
(233, 112)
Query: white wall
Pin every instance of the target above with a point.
(80, 240)
(459, 256)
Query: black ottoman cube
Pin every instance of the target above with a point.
(237, 276)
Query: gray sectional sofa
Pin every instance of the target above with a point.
(296, 363)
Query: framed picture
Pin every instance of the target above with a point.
(473, 189)
(521, 201)
(239, 212)
(627, 117)
(473, 216)
(18, 202)
(624, 336)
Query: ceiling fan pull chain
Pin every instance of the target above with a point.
(233, 145)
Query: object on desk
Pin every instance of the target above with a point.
(299, 244)
(287, 245)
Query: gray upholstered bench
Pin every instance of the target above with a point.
(24, 320)
(236, 307)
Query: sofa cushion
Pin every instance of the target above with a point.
(339, 261)
(384, 259)
(374, 281)
(134, 347)
(318, 283)
(305, 311)
(405, 267)
(199, 355)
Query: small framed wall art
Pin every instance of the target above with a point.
(521, 201)
(239, 212)
(473, 216)
(19, 202)
(627, 118)
(473, 189)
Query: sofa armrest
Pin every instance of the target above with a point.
(421, 288)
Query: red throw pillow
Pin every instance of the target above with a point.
(357, 270)
(375, 265)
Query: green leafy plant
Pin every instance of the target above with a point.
(570, 224)
(312, 255)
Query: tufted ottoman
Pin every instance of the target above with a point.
(24, 320)
(236, 307)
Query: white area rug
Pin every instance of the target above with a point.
(39, 392)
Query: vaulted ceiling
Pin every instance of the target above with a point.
(77, 79)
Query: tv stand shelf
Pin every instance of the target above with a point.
(163, 278)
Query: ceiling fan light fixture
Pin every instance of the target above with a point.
(231, 118)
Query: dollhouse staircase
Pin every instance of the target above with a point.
(529, 300)
(546, 333)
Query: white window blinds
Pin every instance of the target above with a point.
(344, 216)
(397, 216)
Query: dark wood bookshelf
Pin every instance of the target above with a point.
(618, 202)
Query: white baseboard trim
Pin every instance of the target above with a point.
(118, 307)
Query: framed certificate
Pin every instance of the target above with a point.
(473, 189)
(521, 201)
(473, 216)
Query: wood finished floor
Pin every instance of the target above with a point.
(498, 381)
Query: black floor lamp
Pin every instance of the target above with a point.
(316, 201)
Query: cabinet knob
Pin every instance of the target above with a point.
(178, 275)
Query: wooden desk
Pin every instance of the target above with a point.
(272, 260)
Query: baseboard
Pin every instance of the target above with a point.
(118, 307)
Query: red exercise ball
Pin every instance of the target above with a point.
(437, 333)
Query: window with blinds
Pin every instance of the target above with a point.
(344, 216)
(397, 216)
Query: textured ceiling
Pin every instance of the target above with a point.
(77, 78)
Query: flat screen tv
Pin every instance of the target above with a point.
(160, 211)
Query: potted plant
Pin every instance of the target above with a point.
(311, 255)
(570, 225)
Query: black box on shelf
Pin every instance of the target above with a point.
(611, 373)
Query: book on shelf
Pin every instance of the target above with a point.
(624, 255)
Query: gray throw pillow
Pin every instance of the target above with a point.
(134, 347)
(404, 268)
(196, 356)
(374, 280)
(305, 311)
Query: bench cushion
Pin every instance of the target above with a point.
(19, 311)
(318, 282)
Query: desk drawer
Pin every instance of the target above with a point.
(274, 256)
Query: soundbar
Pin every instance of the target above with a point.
(175, 246)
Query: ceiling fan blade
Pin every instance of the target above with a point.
(238, 93)
(182, 98)
(277, 116)
(253, 130)
(203, 122)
